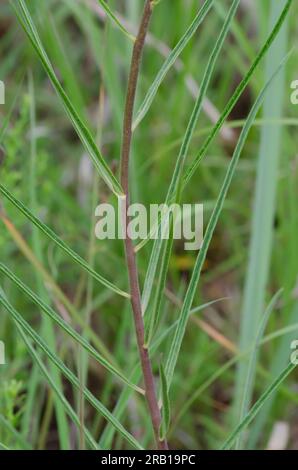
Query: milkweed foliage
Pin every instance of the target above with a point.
(212, 123)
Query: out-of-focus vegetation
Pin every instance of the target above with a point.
(229, 355)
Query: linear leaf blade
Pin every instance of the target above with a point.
(236, 95)
(176, 178)
(67, 372)
(169, 62)
(250, 374)
(66, 405)
(59, 242)
(81, 129)
(166, 407)
(115, 20)
(180, 330)
(67, 328)
(258, 405)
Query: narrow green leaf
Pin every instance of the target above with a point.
(176, 178)
(67, 407)
(236, 95)
(166, 407)
(68, 373)
(250, 374)
(83, 133)
(59, 242)
(5, 122)
(15, 433)
(152, 319)
(136, 376)
(154, 345)
(180, 330)
(67, 328)
(114, 18)
(124, 397)
(3, 447)
(170, 61)
(262, 230)
(227, 365)
(46, 328)
(278, 361)
(257, 406)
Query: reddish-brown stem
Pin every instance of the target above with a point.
(129, 248)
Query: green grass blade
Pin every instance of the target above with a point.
(234, 360)
(241, 38)
(250, 375)
(174, 185)
(107, 436)
(3, 447)
(170, 61)
(166, 407)
(46, 328)
(114, 18)
(55, 41)
(68, 373)
(180, 330)
(6, 120)
(15, 433)
(152, 319)
(121, 406)
(278, 362)
(81, 129)
(264, 206)
(59, 242)
(236, 95)
(67, 328)
(67, 407)
(257, 406)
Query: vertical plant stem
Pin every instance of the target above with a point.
(151, 395)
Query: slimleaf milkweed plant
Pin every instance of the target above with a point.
(158, 345)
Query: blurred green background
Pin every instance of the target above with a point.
(253, 253)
